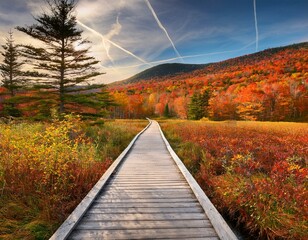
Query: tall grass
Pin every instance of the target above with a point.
(254, 171)
(47, 168)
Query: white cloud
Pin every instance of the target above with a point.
(114, 31)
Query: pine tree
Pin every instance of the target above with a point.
(66, 68)
(13, 78)
(166, 111)
(197, 108)
(12, 75)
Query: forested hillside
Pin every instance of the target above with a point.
(164, 70)
(269, 86)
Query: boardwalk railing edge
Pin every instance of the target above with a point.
(219, 224)
(72, 220)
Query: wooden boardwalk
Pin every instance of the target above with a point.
(146, 194)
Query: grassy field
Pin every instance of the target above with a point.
(47, 168)
(255, 172)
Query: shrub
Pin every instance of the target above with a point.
(47, 168)
(256, 172)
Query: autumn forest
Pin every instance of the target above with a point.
(266, 86)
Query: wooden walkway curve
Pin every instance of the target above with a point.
(146, 194)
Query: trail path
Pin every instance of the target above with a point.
(146, 194)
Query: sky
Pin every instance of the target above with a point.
(129, 36)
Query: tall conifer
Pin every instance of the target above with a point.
(63, 56)
(13, 78)
(12, 75)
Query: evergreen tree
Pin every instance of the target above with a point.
(197, 108)
(66, 68)
(193, 107)
(166, 111)
(12, 75)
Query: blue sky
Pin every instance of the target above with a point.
(129, 36)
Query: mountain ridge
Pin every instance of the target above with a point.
(163, 70)
(167, 70)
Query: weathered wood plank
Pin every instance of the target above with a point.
(88, 225)
(144, 217)
(154, 176)
(144, 180)
(162, 190)
(180, 233)
(147, 205)
(146, 191)
(147, 187)
(161, 175)
(142, 195)
(125, 184)
(148, 177)
(144, 200)
(150, 185)
(197, 238)
(95, 210)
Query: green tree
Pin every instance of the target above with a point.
(12, 75)
(68, 70)
(197, 107)
(166, 111)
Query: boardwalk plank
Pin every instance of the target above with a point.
(143, 195)
(144, 200)
(144, 217)
(154, 187)
(150, 184)
(149, 190)
(144, 180)
(181, 233)
(147, 205)
(143, 225)
(96, 210)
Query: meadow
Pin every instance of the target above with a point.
(254, 172)
(47, 168)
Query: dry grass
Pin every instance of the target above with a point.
(254, 171)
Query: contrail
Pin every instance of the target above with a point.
(189, 56)
(112, 43)
(256, 24)
(163, 28)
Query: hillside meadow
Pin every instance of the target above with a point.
(46, 169)
(254, 172)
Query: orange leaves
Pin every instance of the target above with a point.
(2, 89)
(180, 107)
